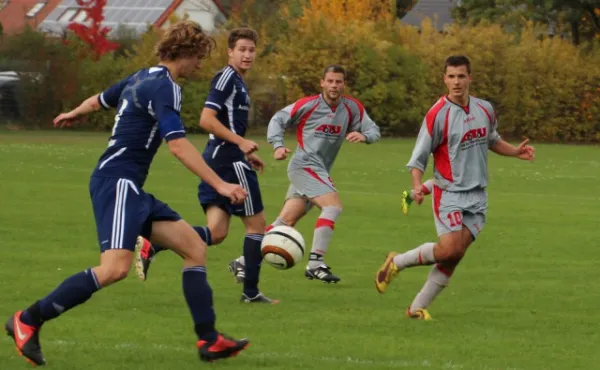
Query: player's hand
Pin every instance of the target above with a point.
(256, 163)
(281, 153)
(525, 152)
(417, 194)
(234, 192)
(248, 146)
(356, 137)
(64, 119)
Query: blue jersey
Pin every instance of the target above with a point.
(229, 97)
(148, 105)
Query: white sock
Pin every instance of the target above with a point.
(421, 255)
(437, 280)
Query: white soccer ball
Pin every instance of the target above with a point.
(282, 247)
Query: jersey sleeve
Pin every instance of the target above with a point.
(493, 137)
(220, 89)
(429, 138)
(109, 98)
(166, 104)
(278, 124)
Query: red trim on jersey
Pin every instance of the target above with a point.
(420, 259)
(323, 222)
(441, 158)
(437, 199)
(433, 112)
(299, 104)
(349, 115)
(311, 172)
(489, 116)
(269, 228)
(361, 108)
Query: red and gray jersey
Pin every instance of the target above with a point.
(459, 138)
(320, 129)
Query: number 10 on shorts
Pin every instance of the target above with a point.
(455, 218)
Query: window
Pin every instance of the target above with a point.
(80, 17)
(35, 9)
(67, 15)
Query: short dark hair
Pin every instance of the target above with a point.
(243, 33)
(457, 61)
(335, 68)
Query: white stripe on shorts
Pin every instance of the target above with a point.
(241, 174)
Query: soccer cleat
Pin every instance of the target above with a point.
(259, 298)
(144, 253)
(321, 272)
(419, 314)
(406, 202)
(238, 270)
(386, 273)
(222, 347)
(26, 339)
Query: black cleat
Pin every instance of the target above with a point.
(222, 347)
(259, 298)
(323, 273)
(26, 339)
(238, 270)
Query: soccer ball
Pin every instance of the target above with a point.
(282, 247)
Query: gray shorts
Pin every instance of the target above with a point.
(453, 210)
(309, 183)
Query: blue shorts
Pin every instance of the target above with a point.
(236, 173)
(123, 211)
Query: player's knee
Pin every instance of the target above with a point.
(218, 236)
(331, 212)
(113, 274)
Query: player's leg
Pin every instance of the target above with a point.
(407, 195)
(180, 237)
(212, 234)
(451, 248)
(293, 210)
(116, 209)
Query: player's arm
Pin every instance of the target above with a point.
(501, 147)
(363, 129)
(171, 129)
(276, 130)
(425, 145)
(220, 90)
(107, 99)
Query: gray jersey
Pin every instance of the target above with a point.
(459, 138)
(320, 129)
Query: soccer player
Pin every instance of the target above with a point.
(148, 104)
(458, 130)
(229, 154)
(322, 122)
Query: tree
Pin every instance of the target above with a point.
(579, 18)
(95, 34)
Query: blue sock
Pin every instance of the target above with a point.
(253, 260)
(198, 296)
(205, 234)
(72, 292)
(203, 231)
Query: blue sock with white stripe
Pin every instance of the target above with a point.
(253, 260)
(198, 296)
(203, 231)
(72, 292)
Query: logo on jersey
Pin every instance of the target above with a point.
(330, 130)
(474, 137)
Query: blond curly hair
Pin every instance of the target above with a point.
(184, 39)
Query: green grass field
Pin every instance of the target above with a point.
(525, 297)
